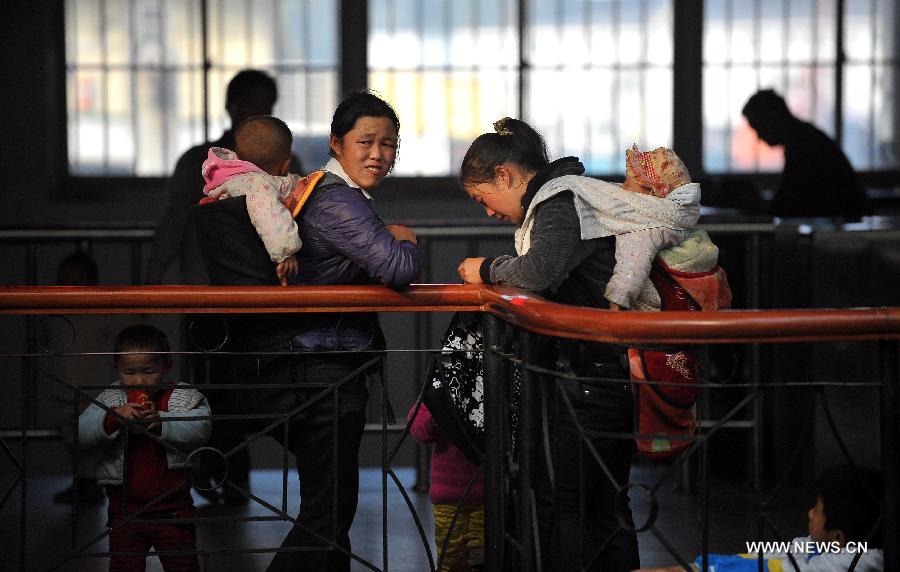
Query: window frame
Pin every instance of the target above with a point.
(352, 72)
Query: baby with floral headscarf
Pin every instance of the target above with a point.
(656, 172)
(661, 174)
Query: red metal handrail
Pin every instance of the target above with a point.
(515, 306)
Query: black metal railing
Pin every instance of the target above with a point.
(518, 327)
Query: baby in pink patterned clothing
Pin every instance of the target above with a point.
(659, 173)
(258, 170)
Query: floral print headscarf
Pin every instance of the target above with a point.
(659, 172)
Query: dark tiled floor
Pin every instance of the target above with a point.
(49, 537)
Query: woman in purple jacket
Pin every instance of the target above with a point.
(344, 242)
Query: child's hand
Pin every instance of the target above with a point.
(470, 270)
(287, 267)
(149, 412)
(136, 411)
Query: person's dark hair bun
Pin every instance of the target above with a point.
(513, 141)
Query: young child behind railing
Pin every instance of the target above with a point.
(845, 512)
(455, 483)
(71, 364)
(157, 487)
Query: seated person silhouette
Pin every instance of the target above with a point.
(818, 180)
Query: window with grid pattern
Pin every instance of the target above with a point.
(449, 67)
(600, 78)
(593, 75)
(791, 46)
(596, 76)
(871, 66)
(135, 76)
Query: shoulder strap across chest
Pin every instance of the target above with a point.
(300, 194)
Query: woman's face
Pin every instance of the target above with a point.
(502, 197)
(367, 152)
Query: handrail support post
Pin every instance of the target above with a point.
(494, 499)
(890, 451)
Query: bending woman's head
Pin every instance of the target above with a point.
(498, 166)
(364, 138)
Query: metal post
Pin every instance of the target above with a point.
(895, 86)
(385, 467)
(839, 61)
(704, 503)
(526, 453)
(494, 501)
(890, 452)
(29, 381)
(354, 57)
(524, 65)
(207, 65)
(23, 506)
(753, 302)
(687, 138)
(423, 328)
(76, 469)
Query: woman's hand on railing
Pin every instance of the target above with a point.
(401, 232)
(470, 270)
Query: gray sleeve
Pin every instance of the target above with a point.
(90, 426)
(190, 434)
(635, 252)
(556, 249)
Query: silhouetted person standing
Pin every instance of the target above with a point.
(818, 180)
(249, 93)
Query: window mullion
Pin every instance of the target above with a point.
(133, 82)
(354, 45)
(522, 24)
(840, 60)
(687, 121)
(204, 39)
(104, 83)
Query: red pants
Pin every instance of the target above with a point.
(143, 537)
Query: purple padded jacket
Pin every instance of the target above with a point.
(346, 242)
